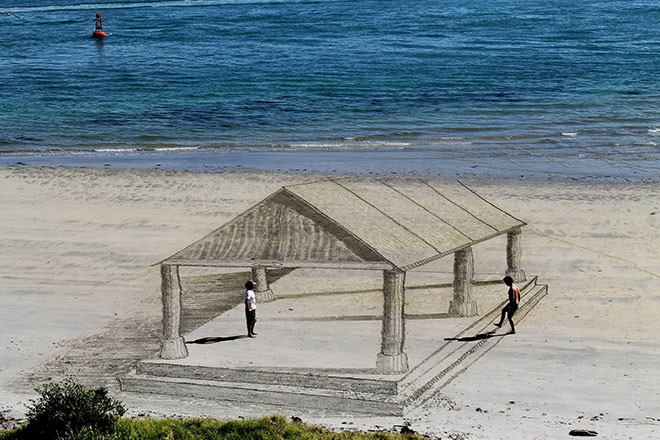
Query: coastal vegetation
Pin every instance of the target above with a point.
(71, 411)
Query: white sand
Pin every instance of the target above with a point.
(77, 246)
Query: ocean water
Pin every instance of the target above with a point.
(559, 87)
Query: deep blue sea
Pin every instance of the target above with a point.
(501, 87)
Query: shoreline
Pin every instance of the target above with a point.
(420, 164)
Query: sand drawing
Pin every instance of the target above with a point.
(82, 295)
(378, 226)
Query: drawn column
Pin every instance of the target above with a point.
(172, 345)
(392, 359)
(262, 291)
(513, 255)
(463, 304)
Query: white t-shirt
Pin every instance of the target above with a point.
(249, 296)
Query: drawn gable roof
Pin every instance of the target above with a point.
(280, 228)
(353, 222)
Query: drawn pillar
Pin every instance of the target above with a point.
(392, 359)
(172, 345)
(262, 291)
(463, 304)
(513, 255)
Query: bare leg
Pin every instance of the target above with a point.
(504, 310)
(253, 323)
(513, 328)
(251, 320)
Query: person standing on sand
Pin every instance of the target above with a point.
(250, 308)
(512, 306)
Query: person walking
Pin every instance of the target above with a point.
(250, 308)
(512, 306)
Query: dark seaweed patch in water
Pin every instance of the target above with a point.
(191, 115)
(219, 116)
(111, 120)
(257, 112)
(497, 97)
(285, 104)
(259, 103)
(296, 109)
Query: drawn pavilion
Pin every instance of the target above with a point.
(386, 225)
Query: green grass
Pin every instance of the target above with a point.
(267, 428)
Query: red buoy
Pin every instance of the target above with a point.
(98, 30)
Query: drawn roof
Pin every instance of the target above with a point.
(352, 223)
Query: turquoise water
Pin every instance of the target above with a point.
(571, 86)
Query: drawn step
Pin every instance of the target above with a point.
(396, 395)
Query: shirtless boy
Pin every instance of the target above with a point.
(512, 306)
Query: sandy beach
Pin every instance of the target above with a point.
(80, 295)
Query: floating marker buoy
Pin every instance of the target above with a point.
(98, 31)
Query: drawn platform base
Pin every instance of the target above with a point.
(320, 351)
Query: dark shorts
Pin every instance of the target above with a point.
(511, 309)
(250, 317)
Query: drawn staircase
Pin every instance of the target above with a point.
(333, 390)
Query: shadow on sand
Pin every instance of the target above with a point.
(477, 337)
(213, 340)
